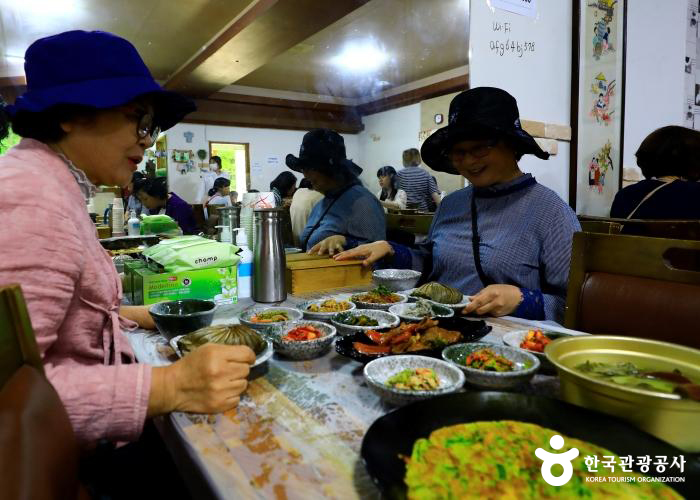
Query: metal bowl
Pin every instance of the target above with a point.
(526, 365)
(179, 317)
(294, 314)
(385, 320)
(322, 316)
(666, 416)
(438, 311)
(300, 349)
(377, 372)
(396, 279)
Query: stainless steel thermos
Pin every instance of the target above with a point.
(269, 261)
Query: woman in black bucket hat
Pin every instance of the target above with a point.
(505, 240)
(348, 214)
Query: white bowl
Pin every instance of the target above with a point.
(514, 339)
(300, 349)
(322, 316)
(378, 371)
(439, 311)
(384, 318)
(294, 314)
(381, 307)
(396, 279)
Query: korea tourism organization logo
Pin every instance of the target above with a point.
(644, 463)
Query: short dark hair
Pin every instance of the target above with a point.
(158, 188)
(305, 183)
(216, 159)
(389, 171)
(45, 126)
(284, 182)
(670, 150)
(137, 176)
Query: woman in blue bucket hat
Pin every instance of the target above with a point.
(90, 110)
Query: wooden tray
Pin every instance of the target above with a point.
(312, 273)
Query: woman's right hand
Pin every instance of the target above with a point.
(208, 380)
(369, 252)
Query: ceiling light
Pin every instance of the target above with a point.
(361, 57)
(44, 7)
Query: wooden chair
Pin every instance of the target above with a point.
(657, 228)
(38, 450)
(635, 286)
(199, 218)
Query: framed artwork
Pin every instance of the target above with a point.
(598, 104)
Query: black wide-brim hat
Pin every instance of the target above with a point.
(475, 112)
(323, 150)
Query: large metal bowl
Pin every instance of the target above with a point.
(666, 416)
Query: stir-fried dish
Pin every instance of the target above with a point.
(417, 379)
(497, 460)
(408, 337)
(303, 333)
(535, 340)
(380, 295)
(271, 316)
(330, 305)
(356, 319)
(629, 375)
(487, 360)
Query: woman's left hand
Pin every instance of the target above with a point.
(331, 245)
(496, 300)
(140, 315)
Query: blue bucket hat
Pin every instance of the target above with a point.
(93, 68)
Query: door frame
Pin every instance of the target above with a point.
(246, 145)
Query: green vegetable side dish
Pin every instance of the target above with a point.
(418, 379)
(629, 375)
(356, 320)
(438, 292)
(487, 360)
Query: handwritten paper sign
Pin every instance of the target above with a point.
(522, 7)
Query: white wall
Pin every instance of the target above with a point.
(540, 80)
(654, 87)
(268, 149)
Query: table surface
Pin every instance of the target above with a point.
(298, 429)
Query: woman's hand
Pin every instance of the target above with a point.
(208, 380)
(331, 245)
(369, 252)
(140, 315)
(496, 300)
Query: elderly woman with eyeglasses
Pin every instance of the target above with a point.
(86, 121)
(505, 240)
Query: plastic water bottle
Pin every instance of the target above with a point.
(133, 224)
(117, 217)
(245, 265)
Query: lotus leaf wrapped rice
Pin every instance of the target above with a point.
(439, 293)
(222, 334)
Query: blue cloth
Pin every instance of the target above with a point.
(678, 200)
(357, 215)
(525, 241)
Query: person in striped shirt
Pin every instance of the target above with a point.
(505, 240)
(420, 187)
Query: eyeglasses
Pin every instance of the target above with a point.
(146, 128)
(476, 152)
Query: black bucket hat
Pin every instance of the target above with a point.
(322, 149)
(477, 111)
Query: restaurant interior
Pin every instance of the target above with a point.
(332, 262)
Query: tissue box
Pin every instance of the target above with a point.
(217, 283)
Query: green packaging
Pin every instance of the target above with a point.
(191, 252)
(217, 283)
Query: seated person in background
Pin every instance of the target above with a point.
(420, 187)
(234, 197)
(348, 214)
(505, 239)
(220, 193)
(670, 161)
(303, 202)
(155, 196)
(283, 188)
(390, 196)
(132, 202)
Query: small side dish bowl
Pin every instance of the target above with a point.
(514, 339)
(379, 371)
(180, 317)
(356, 298)
(323, 316)
(300, 349)
(403, 311)
(396, 279)
(384, 319)
(525, 365)
(246, 317)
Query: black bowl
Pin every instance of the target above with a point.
(471, 330)
(182, 316)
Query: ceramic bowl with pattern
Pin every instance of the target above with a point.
(379, 371)
(514, 339)
(259, 359)
(383, 318)
(361, 304)
(300, 349)
(396, 279)
(246, 317)
(525, 365)
(455, 307)
(403, 311)
(323, 316)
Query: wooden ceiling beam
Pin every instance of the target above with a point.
(265, 30)
(276, 101)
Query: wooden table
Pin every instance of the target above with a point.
(298, 429)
